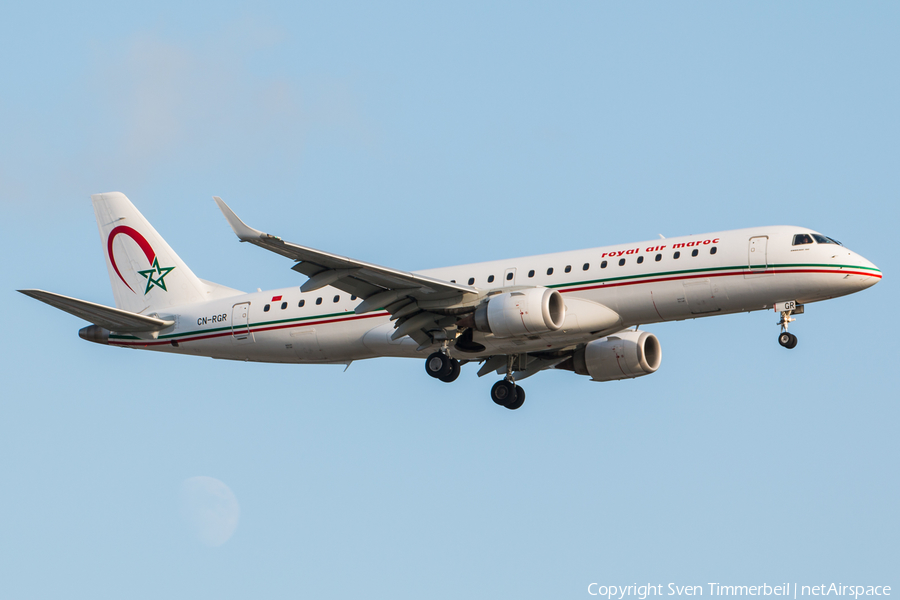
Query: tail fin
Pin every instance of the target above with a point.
(145, 272)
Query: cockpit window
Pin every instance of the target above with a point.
(825, 240)
(802, 238)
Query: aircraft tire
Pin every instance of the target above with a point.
(785, 339)
(438, 365)
(518, 401)
(454, 372)
(503, 393)
(793, 342)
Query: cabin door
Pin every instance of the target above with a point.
(757, 258)
(240, 322)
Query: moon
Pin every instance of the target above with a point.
(210, 509)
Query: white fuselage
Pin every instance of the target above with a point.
(717, 273)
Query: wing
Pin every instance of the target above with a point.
(114, 319)
(409, 297)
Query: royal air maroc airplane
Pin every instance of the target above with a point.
(578, 311)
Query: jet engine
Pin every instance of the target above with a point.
(625, 355)
(94, 333)
(522, 312)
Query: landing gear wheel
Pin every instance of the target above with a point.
(519, 399)
(454, 372)
(785, 339)
(503, 392)
(788, 340)
(439, 365)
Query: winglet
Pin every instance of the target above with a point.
(241, 229)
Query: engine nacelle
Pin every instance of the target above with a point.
(625, 355)
(522, 312)
(94, 333)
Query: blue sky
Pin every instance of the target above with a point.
(416, 137)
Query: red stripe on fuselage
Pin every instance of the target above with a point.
(708, 275)
(252, 329)
(576, 289)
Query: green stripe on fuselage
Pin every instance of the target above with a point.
(649, 276)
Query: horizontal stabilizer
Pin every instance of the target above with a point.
(113, 319)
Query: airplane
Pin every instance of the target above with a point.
(577, 311)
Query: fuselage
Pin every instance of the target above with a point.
(645, 282)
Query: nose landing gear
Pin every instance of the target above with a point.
(787, 340)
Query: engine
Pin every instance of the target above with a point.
(625, 355)
(94, 333)
(522, 312)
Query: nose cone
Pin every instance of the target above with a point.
(869, 274)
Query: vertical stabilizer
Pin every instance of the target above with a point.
(145, 273)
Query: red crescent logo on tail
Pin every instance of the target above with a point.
(148, 252)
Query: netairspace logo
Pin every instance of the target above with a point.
(641, 592)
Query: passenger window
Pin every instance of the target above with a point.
(712, 250)
(352, 297)
(266, 308)
(586, 266)
(621, 261)
(640, 259)
(550, 271)
(568, 268)
(658, 257)
(471, 281)
(802, 238)
(695, 252)
(676, 255)
(531, 273)
(452, 281)
(336, 298)
(490, 279)
(603, 264)
(318, 301)
(509, 276)
(301, 303)
(283, 305)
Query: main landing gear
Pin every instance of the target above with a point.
(507, 394)
(788, 340)
(441, 366)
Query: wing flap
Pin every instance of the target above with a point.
(113, 319)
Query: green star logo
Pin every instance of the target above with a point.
(158, 280)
